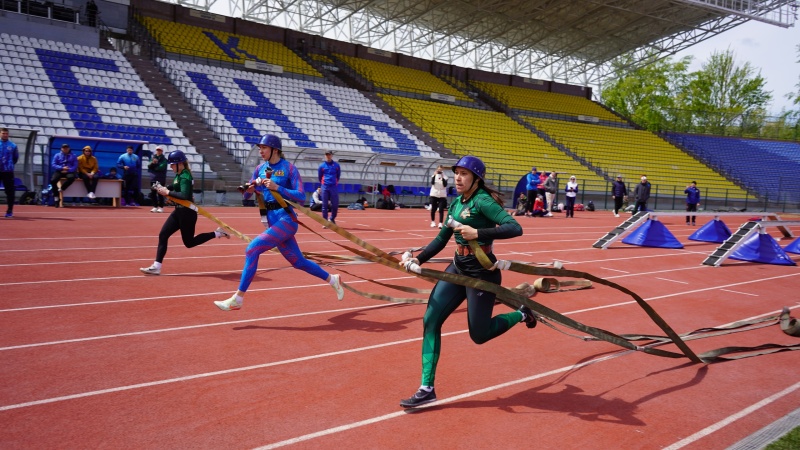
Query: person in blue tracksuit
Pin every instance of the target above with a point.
(9, 155)
(128, 164)
(329, 173)
(692, 200)
(64, 165)
(276, 174)
(532, 182)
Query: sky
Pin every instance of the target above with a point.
(768, 48)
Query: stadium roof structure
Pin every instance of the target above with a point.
(570, 41)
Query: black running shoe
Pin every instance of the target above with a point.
(530, 318)
(419, 398)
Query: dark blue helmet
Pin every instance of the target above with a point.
(176, 156)
(473, 164)
(270, 140)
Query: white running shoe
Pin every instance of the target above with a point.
(433, 224)
(223, 234)
(549, 214)
(440, 226)
(154, 210)
(616, 215)
(337, 286)
(229, 305)
(159, 210)
(91, 195)
(152, 270)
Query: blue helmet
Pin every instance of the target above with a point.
(176, 156)
(270, 140)
(473, 164)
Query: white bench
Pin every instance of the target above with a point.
(106, 188)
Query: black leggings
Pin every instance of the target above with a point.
(8, 185)
(441, 204)
(183, 219)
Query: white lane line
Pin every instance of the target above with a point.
(732, 418)
(402, 413)
(615, 270)
(673, 281)
(208, 374)
(737, 292)
(164, 297)
(418, 235)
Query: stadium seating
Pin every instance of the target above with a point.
(546, 102)
(59, 88)
(242, 106)
(402, 78)
(772, 174)
(214, 44)
(508, 149)
(633, 153)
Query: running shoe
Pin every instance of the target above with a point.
(152, 270)
(337, 286)
(421, 397)
(229, 305)
(223, 234)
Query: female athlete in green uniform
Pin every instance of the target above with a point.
(479, 212)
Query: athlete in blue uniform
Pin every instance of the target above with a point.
(329, 173)
(276, 175)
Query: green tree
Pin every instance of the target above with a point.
(651, 95)
(723, 94)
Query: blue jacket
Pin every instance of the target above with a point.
(532, 180)
(692, 195)
(329, 174)
(61, 160)
(9, 155)
(131, 161)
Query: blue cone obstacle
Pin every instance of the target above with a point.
(652, 234)
(714, 231)
(762, 248)
(794, 247)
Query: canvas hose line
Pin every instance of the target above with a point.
(518, 296)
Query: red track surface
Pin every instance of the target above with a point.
(95, 354)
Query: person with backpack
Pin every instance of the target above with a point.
(479, 214)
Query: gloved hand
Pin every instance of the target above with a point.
(410, 263)
(452, 223)
(501, 264)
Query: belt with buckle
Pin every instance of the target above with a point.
(464, 250)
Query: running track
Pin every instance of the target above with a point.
(94, 354)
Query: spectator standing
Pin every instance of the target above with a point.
(438, 195)
(128, 162)
(550, 189)
(571, 194)
(88, 171)
(9, 155)
(158, 174)
(316, 200)
(329, 173)
(531, 180)
(641, 193)
(64, 165)
(618, 192)
(692, 200)
(479, 209)
(540, 190)
(278, 175)
(182, 219)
